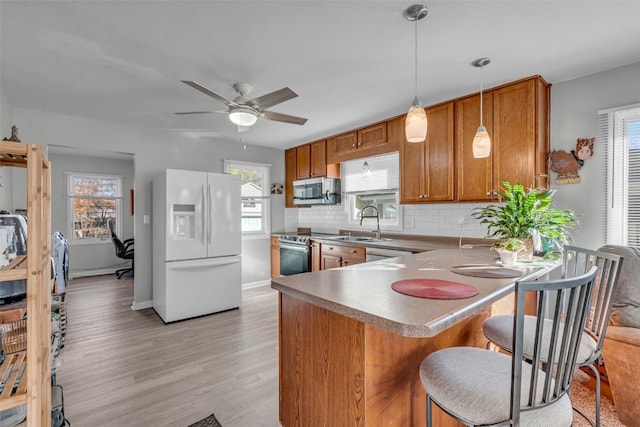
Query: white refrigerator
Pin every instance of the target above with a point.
(196, 244)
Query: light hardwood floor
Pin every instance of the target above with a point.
(127, 368)
(121, 367)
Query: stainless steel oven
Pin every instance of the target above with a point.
(295, 254)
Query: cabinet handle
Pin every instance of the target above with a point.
(353, 251)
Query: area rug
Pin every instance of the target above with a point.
(210, 421)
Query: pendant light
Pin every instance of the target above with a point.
(416, 121)
(481, 141)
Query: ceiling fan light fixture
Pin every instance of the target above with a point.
(242, 116)
(481, 146)
(416, 121)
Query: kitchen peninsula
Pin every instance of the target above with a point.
(350, 346)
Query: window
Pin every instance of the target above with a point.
(373, 182)
(92, 200)
(620, 129)
(386, 203)
(255, 195)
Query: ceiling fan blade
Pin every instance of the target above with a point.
(193, 112)
(209, 92)
(279, 117)
(273, 98)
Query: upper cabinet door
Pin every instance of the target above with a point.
(427, 168)
(318, 161)
(345, 143)
(412, 166)
(373, 136)
(304, 161)
(439, 150)
(474, 175)
(515, 125)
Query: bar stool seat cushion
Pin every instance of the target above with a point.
(475, 385)
(499, 330)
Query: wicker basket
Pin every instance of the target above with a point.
(14, 336)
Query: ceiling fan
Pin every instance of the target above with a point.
(244, 112)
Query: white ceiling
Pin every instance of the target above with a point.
(350, 62)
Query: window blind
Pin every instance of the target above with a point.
(379, 173)
(619, 130)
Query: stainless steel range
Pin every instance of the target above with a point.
(295, 254)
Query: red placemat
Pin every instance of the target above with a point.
(434, 288)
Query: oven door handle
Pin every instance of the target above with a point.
(301, 248)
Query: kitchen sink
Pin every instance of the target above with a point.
(353, 239)
(358, 239)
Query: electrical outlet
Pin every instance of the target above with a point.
(409, 222)
(146, 219)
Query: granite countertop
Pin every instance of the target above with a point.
(363, 291)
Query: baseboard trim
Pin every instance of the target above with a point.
(256, 284)
(86, 273)
(141, 305)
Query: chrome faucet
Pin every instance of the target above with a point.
(377, 217)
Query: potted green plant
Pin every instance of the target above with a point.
(508, 249)
(525, 213)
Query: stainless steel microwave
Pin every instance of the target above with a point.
(316, 191)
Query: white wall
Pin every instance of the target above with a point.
(6, 173)
(155, 151)
(574, 114)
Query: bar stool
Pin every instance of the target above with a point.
(483, 387)
(498, 329)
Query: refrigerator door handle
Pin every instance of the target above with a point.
(205, 263)
(203, 214)
(209, 216)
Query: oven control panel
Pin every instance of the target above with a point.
(295, 239)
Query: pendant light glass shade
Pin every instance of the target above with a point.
(481, 141)
(416, 123)
(415, 127)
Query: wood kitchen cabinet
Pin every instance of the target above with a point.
(428, 167)
(311, 160)
(316, 256)
(290, 175)
(306, 161)
(333, 256)
(516, 116)
(275, 256)
(379, 138)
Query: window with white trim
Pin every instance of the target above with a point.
(93, 199)
(373, 181)
(620, 131)
(256, 195)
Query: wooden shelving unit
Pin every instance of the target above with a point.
(33, 385)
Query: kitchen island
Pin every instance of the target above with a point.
(350, 346)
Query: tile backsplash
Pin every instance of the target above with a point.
(446, 219)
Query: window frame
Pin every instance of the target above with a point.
(613, 126)
(106, 239)
(264, 199)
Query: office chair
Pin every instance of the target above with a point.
(485, 387)
(124, 249)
